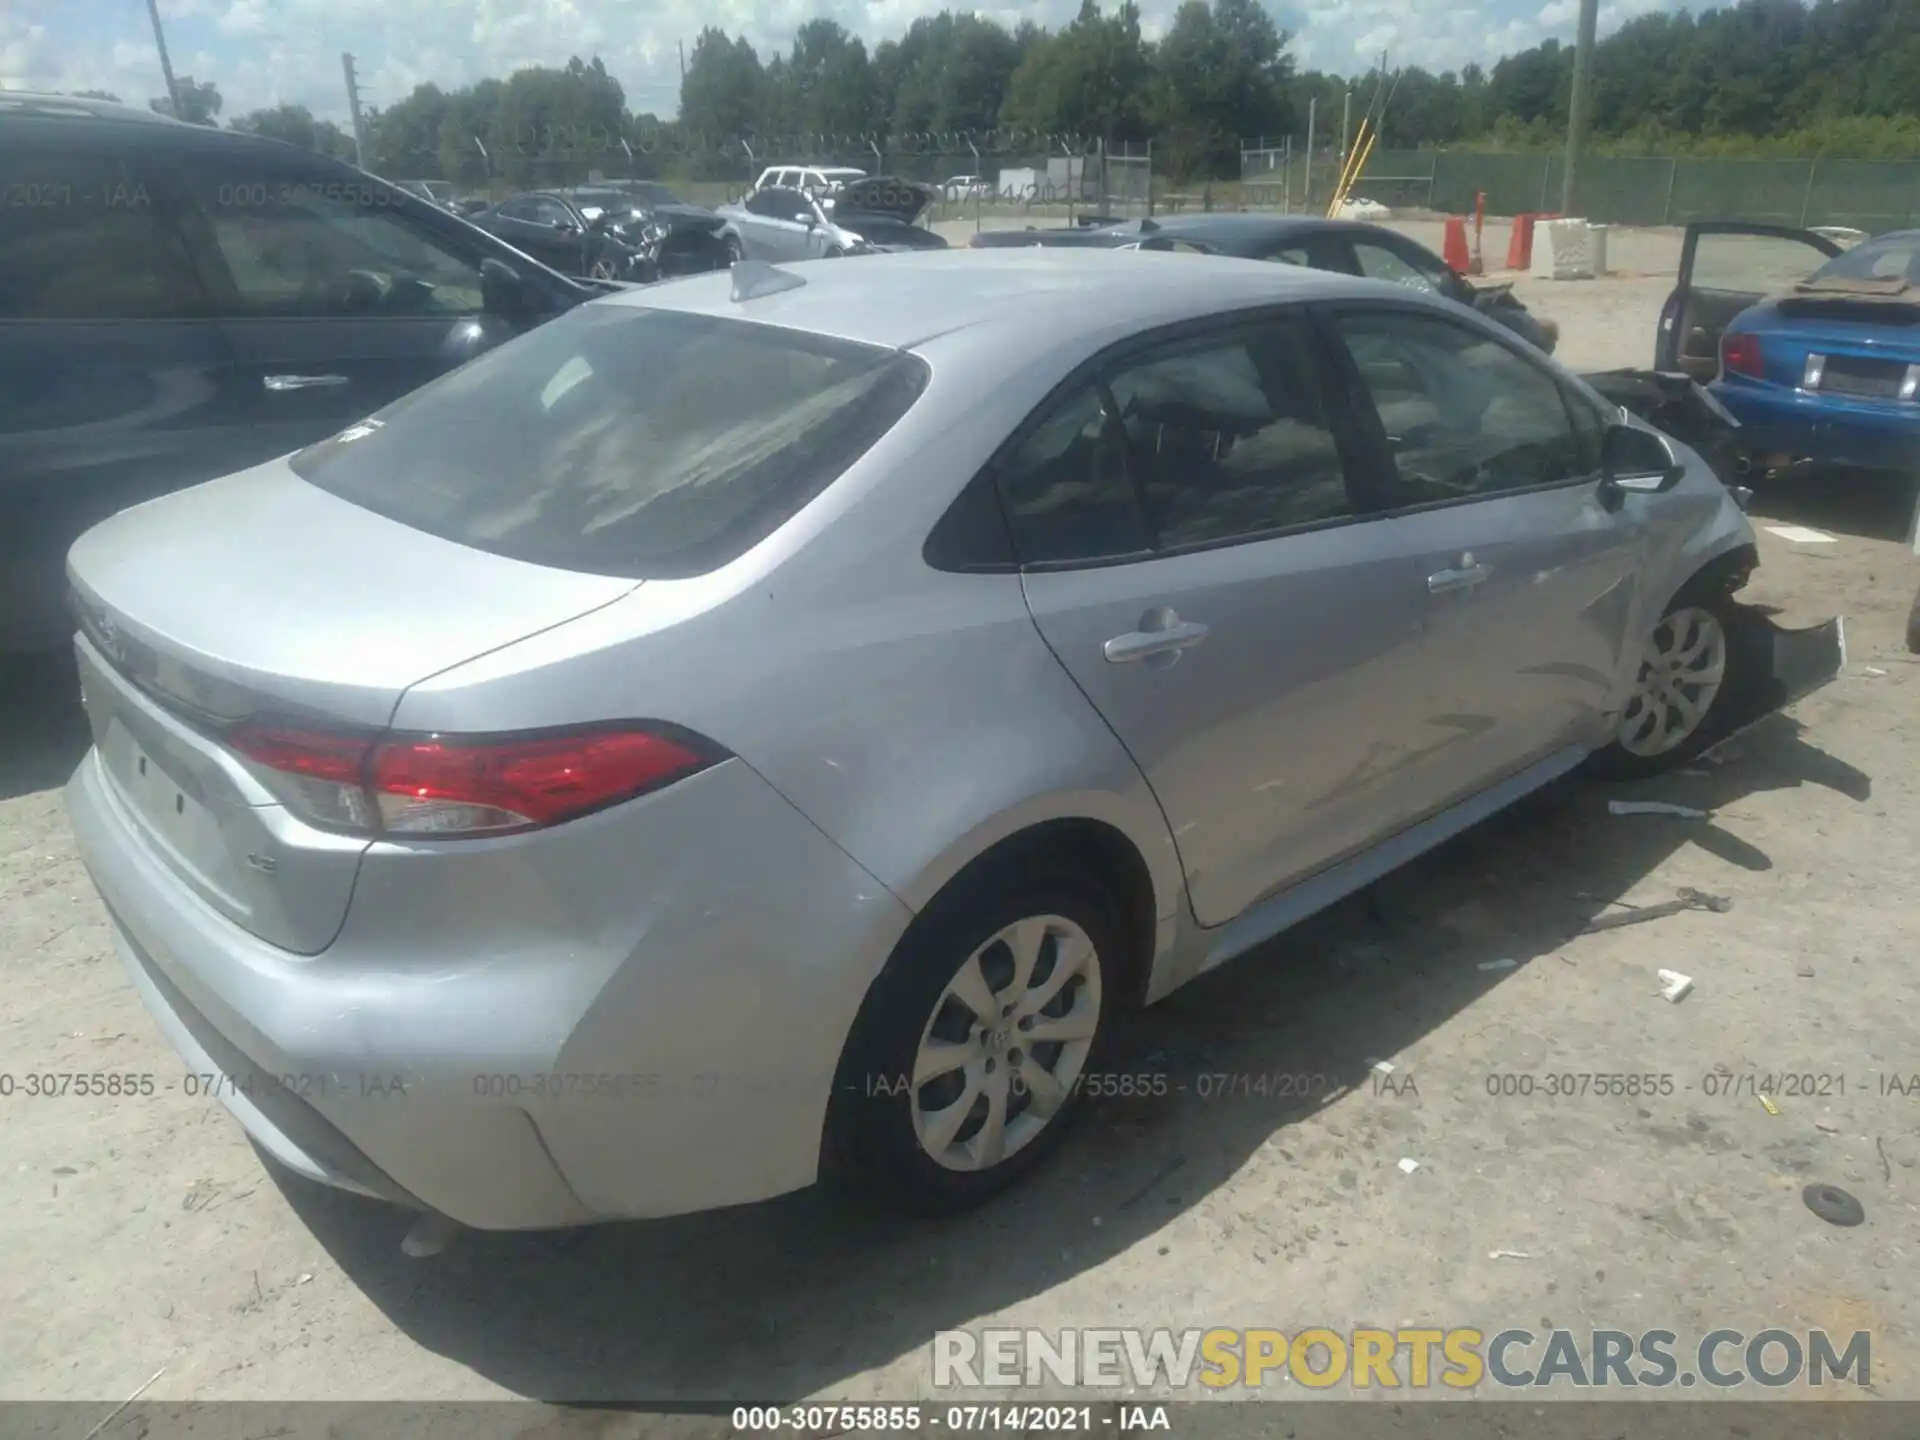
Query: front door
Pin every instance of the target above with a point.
(1725, 266)
(1193, 555)
(115, 386)
(333, 305)
(1489, 471)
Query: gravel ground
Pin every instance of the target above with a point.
(143, 1233)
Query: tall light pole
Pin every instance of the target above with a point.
(1580, 103)
(166, 65)
(353, 106)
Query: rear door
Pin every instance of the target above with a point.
(1488, 479)
(1725, 266)
(336, 297)
(1194, 557)
(116, 384)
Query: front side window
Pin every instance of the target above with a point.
(623, 441)
(1189, 443)
(289, 243)
(1464, 416)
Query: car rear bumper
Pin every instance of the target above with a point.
(1776, 421)
(479, 1058)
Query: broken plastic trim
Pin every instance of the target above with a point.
(753, 279)
(1785, 665)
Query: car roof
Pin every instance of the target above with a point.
(1229, 228)
(61, 118)
(46, 104)
(1033, 294)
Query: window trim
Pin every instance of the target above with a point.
(1380, 462)
(1092, 374)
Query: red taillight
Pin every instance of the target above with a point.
(1740, 355)
(450, 785)
(438, 785)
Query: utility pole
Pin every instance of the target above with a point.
(1346, 121)
(353, 106)
(683, 64)
(166, 65)
(1306, 193)
(1580, 105)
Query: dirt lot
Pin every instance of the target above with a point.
(143, 1233)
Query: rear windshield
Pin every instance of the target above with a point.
(623, 441)
(1893, 257)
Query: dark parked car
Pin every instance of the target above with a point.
(1351, 247)
(633, 231)
(179, 302)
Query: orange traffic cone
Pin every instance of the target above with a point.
(1454, 251)
(1520, 247)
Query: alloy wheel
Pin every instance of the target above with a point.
(1006, 1043)
(1681, 672)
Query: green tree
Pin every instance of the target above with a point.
(199, 101)
(722, 96)
(1221, 73)
(1087, 82)
(295, 125)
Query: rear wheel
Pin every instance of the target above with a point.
(966, 1064)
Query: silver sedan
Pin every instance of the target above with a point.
(764, 728)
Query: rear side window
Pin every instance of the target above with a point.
(623, 441)
(81, 238)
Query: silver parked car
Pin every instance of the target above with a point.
(765, 727)
(864, 217)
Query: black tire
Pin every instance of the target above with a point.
(735, 251)
(872, 1153)
(1706, 594)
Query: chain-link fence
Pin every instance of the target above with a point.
(1869, 195)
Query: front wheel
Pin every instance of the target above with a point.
(1689, 666)
(967, 1062)
(736, 252)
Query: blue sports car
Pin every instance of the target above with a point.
(1813, 348)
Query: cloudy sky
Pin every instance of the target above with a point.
(263, 52)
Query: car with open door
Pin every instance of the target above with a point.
(177, 302)
(1813, 347)
(769, 727)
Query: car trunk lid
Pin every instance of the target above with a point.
(260, 595)
(884, 195)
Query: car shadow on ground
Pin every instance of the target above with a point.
(1870, 505)
(789, 1298)
(43, 730)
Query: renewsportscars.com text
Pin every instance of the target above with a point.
(1409, 1358)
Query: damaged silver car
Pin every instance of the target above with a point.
(871, 215)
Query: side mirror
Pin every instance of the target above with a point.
(808, 219)
(1638, 462)
(502, 291)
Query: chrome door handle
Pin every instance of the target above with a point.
(1144, 644)
(1464, 578)
(279, 384)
